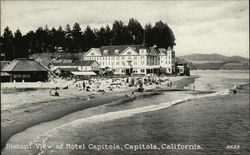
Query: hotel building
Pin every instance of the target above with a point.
(133, 59)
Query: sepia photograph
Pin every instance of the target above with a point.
(106, 77)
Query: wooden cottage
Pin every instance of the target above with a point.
(27, 70)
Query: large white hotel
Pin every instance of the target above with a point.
(133, 59)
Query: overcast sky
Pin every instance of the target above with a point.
(199, 26)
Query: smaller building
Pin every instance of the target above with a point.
(24, 69)
(182, 69)
(75, 66)
(5, 77)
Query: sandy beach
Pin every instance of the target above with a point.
(30, 108)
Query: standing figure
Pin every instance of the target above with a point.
(83, 85)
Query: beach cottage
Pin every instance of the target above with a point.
(27, 70)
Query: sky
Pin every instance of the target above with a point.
(204, 27)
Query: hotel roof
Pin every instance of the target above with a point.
(119, 48)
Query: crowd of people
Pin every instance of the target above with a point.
(113, 84)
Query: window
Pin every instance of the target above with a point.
(129, 57)
(142, 62)
(135, 57)
(26, 76)
(105, 52)
(116, 52)
(123, 57)
(123, 63)
(117, 58)
(135, 63)
(142, 57)
(117, 63)
(18, 76)
(166, 62)
(142, 70)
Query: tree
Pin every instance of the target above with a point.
(74, 40)
(30, 42)
(42, 40)
(89, 38)
(120, 34)
(149, 41)
(108, 35)
(60, 37)
(76, 37)
(7, 46)
(163, 35)
(19, 46)
(136, 31)
(68, 38)
(100, 37)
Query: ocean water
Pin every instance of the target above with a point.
(218, 81)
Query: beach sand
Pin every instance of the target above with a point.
(21, 110)
(215, 123)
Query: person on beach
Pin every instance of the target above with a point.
(127, 81)
(83, 85)
(57, 94)
(193, 87)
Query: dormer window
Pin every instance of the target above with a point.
(116, 52)
(105, 52)
(92, 53)
(129, 53)
(142, 51)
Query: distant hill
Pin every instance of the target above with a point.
(213, 58)
(214, 62)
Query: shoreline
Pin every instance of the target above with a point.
(211, 122)
(17, 120)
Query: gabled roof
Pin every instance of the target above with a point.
(4, 64)
(164, 51)
(24, 64)
(67, 69)
(63, 64)
(4, 74)
(84, 63)
(76, 63)
(120, 48)
(62, 61)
